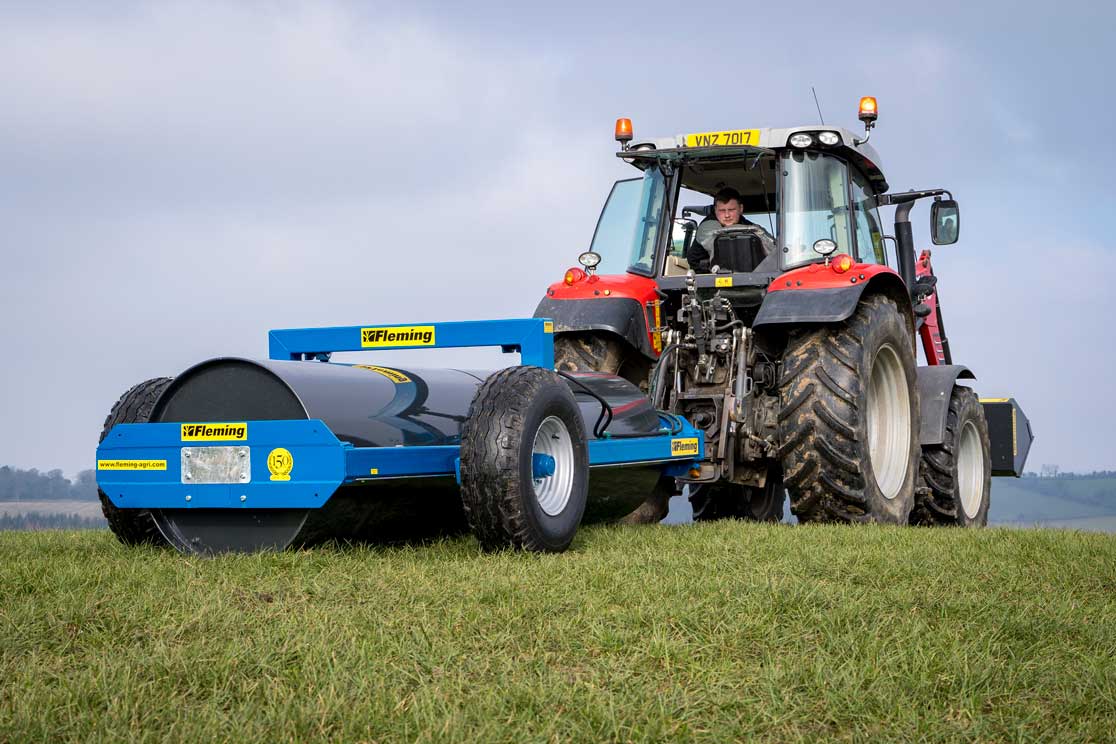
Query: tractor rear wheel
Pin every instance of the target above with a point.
(599, 352)
(715, 501)
(957, 472)
(524, 462)
(587, 352)
(848, 418)
(133, 526)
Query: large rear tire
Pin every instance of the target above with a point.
(588, 352)
(716, 501)
(524, 462)
(600, 352)
(133, 526)
(958, 472)
(848, 419)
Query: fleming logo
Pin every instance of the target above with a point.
(280, 463)
(214, 432)
(683, 447)
(371, 338)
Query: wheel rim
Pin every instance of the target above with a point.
(889, 422)
(970, 470)
(553, 491)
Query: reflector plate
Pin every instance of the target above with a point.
(216, 465)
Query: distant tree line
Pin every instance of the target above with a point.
(53, 521)
(31, 485)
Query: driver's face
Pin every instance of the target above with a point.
(728, 213)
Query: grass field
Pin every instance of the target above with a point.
(711, 633)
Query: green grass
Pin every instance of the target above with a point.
(711, 633)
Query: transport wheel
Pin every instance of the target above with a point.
(133, 526)
(524, 462)
(848, 418)
(595, 352)
(732, 501)
(957, 472)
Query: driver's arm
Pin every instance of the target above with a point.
(697, 257)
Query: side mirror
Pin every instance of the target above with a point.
(945, 222)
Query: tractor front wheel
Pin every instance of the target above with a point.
(848, 419)
(957, 472)
(714, 501)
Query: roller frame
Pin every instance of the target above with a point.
(322, 463)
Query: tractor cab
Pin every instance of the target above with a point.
(796, 187)
(804, 220)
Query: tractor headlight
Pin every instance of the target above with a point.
(828, 138)
(801, 140)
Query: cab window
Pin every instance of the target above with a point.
(629, 224)
(869, 236)
(814, 207)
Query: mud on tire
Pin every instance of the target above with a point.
(601, 352)
(958, 472)
(133, 526)
(517, 413)
(848, 418)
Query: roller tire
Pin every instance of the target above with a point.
(497, 443)
(824, 411)
(133, 526)
(940, 503)
(716, 501)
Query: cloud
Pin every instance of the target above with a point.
(185, 177)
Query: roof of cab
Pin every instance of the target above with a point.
(766, 139)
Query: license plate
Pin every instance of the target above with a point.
(216, 465)
(721, 139)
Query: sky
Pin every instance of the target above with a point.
(178, 178)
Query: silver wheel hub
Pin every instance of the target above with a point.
(553, 490)
(889, 422)
(970, 470)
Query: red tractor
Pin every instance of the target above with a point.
(794, 345)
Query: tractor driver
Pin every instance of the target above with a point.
(729, 211)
